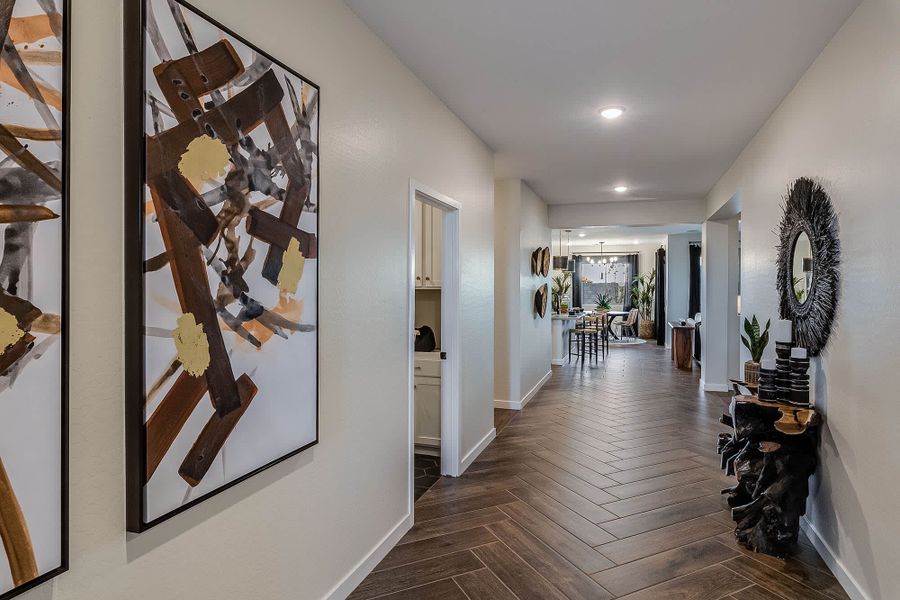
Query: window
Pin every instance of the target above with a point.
(611, 278)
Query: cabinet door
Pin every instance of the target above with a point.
(427, 211)
(437, 246)
(428, 411)
(420, 243)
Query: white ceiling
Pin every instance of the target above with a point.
(621, 235)
(698, 78)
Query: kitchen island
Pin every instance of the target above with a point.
(560, 331)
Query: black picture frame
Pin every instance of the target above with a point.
(808, 209)
(64, 314)
(135, 159)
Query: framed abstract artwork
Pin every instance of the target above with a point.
(34, 78)
(221, 259)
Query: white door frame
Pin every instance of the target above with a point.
(450, 328)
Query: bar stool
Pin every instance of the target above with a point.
(586, 338)
(603, 325)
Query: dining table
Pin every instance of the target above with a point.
(613, 314)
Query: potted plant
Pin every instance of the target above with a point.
(643, 295)
(603, 301)
(756, 341)
(562, 283)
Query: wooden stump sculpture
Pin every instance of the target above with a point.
(773, 454)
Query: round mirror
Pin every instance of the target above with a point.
(802, 268)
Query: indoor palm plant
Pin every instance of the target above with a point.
(756, 341)
(603, 301)
(562, 283)
(643, 295)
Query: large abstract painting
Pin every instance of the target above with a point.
(227, 214)
(33, 89)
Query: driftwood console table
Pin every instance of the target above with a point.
(773, 453)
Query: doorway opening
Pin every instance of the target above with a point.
(434, 322)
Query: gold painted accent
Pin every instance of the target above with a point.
(292, 263)
(10, 333)
(191, 345)
(204, 159)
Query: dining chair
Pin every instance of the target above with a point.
(630, 323)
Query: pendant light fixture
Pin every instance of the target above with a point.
(560, 262)
(570, 263)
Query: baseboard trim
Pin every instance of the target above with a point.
(371, 560)
(470, 457)
(537, 387)
(507, 404)
(714, 387)
(559, 362)
(514, 405)
(847, 581)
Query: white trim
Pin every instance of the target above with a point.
(352, 580)
(451, 405)
(560, 362)
(478, 449)
(714, 387)
(507, 404)
(519, 405)
(427, 440)
(847, 581)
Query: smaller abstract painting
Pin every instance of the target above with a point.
(223, 287)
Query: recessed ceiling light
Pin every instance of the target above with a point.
(636, 241)
(582, 234)
(621, 189)
(612, 112)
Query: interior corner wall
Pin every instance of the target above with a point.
(507, 219)
(535, 352)
(840, 126)
(678, 278)
(522, 340)
(298, 529)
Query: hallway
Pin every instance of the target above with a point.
(605, 486)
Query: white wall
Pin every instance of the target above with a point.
(521, 339)
(840, 125)
(678, 278)
(535, 341)
(631, 212)
(298, 529)
(507, 206)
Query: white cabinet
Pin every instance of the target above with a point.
(427, 414)
(419, 229)
(429, 230)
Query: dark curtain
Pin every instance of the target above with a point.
(576, 283)
(694, 300)
(660, 317)
(633, 271)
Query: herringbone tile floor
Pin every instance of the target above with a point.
(605, 486)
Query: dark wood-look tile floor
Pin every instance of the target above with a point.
(605, 486)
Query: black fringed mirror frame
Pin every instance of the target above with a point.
(809, 210)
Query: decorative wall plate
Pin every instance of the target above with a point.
(536, 260)
(540, 301)
(546, 256)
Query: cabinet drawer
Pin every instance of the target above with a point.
(427, 368)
